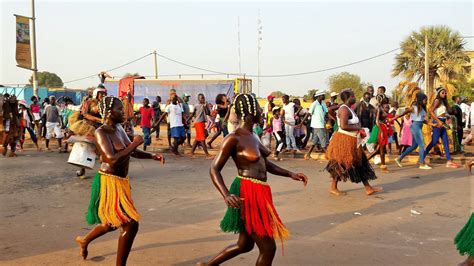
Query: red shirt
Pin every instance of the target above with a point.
(147, 116)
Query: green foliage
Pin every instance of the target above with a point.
(345, 80)
(130, 75)
(465, 88)
(47, 79)
(447, 58)
(309, 96)
(277, 94)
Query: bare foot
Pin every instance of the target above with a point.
(83, 245)
(468, 262)
(384, 169)
(372, 190)
(337, 192)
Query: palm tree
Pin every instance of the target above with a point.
(447, 58)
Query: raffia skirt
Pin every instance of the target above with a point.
(257, 215)
(465, 238)
(111, 201)
(347, 161)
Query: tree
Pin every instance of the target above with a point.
(47, 79)
(345, 80)
(309, 95)
(277, 94)
(130, 75)
(447, 58)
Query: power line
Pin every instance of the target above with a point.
(109, 70)
(278, 75)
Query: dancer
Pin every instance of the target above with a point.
(277, 130)
(347, 159)
(200, 114)
(384, 131)
(11, 124)
(418, 112)
(111, 205)
(438, 112)
(464, 240)
(222, 106)
(250, 206)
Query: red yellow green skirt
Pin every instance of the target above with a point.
(257, 215)
(111, 201)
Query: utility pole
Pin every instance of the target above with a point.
(259, 29)
(156, 65)
(427, 71)
(33, 46)
(238, 44)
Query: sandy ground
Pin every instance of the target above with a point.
(43, 206)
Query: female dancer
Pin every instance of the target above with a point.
(222, 105)
(384, 130)
(438, 112)
(417, 114)
(347, 159)
(250, 207)
(111, 205)
(464, 240)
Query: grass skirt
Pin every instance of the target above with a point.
(347, 161)
(82, 128)
(257, 215)
(465, 238)
(111, 201)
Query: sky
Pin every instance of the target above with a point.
(76, 39)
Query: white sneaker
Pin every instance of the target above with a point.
(398, 162)
(425, 167)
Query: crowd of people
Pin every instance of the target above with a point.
(349, 133)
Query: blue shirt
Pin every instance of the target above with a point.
(419, 117)
(318, 113)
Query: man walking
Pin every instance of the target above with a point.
(186, 116)
(288, 115)
(318, 111)
(53, 123)
(200, 114)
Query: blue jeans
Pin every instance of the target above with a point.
(290, 137)
(417, 140)
(146, 136)
(437, 134)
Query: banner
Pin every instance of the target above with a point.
(23, 48)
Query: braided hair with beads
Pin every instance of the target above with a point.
(246, 105)
(106, 105)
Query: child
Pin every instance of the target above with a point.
(406, 139)
(277, 130)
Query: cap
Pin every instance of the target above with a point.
(97, 90)
(319, 93)
(270, 97)
(186, 95)
(23, 102)
(333, 94)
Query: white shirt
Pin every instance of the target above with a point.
(289, 113)
(465, 112)
(318, 113)
(175, 115)
(472, 114)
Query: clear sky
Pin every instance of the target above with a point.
(80, 38)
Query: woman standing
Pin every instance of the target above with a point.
(250, 206)
(464, 240)
(417, 115)
(439, 112)
(222, 107)
(111, 205)
(347, 159)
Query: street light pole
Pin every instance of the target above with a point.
(427, 72)
(156, 65)
(33, 46)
